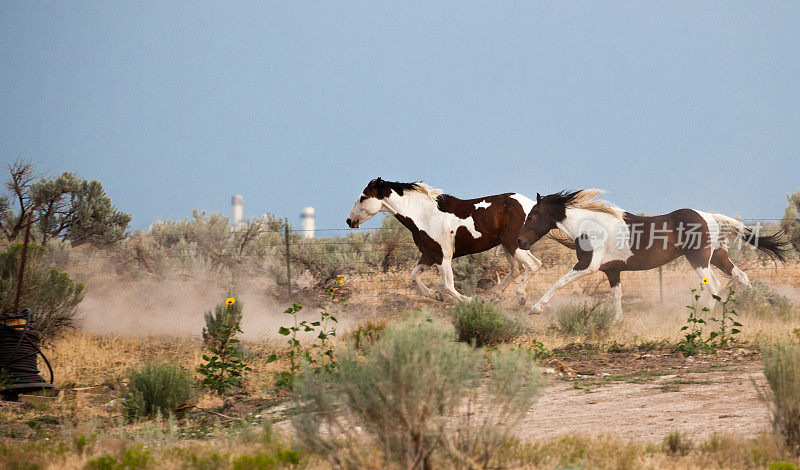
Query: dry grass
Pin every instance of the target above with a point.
(84, 427)
(83, 360)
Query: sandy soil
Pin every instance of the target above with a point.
(697, 401)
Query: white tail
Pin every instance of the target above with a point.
(729, 227)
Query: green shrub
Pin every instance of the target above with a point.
(415, 393)
(158, 388)
(760, 299)
(51, 294)
(782, 370)
(583, 320)
(482, 323)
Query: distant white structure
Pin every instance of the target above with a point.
(237, 207)
(307, 222)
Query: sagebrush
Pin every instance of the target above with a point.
(782, 370)
(591, 321)
(482, 323)
(415, 395)
(158, 388)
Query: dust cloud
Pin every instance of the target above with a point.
(176, 306)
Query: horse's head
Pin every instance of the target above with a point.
(369, 203)
(538, 223)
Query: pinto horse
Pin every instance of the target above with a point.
(610, 240)
(445, 227)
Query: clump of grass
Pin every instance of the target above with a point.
(367, 333)
(782, 466)
(482, 323)
(782, 369)
(760, 299)
(593, 321)
(676, 443)
(277, 458)
(158, 388)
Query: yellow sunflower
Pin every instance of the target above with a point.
(230, 301)
(705, 280)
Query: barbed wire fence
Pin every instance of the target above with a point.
(286, 248)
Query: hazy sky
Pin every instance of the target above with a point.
(178, 105)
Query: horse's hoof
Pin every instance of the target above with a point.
(521, 301)
(438, 296)
(536, 309)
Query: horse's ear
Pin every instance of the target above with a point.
(538, 198)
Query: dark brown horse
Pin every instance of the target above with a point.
(445, 227)
(611, 240)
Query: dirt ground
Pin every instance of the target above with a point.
(666, 393)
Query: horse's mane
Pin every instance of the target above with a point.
(417, 186)
(585, 199)
(432, 193)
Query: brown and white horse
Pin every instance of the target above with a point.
(445, 227)
(611, 240)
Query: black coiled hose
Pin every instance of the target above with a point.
(19, 346)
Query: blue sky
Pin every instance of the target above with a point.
(178, 105)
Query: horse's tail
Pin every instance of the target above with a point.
(561, 237)
(775, 245)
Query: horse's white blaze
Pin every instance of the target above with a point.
(364, 210)
(482, 205)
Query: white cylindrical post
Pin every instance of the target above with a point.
(237, 207)
(307, 222)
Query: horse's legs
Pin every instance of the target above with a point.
(531, 265)
(721, 260)
(588, 262)
(616, 291)
(512, 274)
(418, 269)
(705, 272)
(446, 270)
(572, 275)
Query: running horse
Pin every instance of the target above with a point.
(445, 227)
(608, 239)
